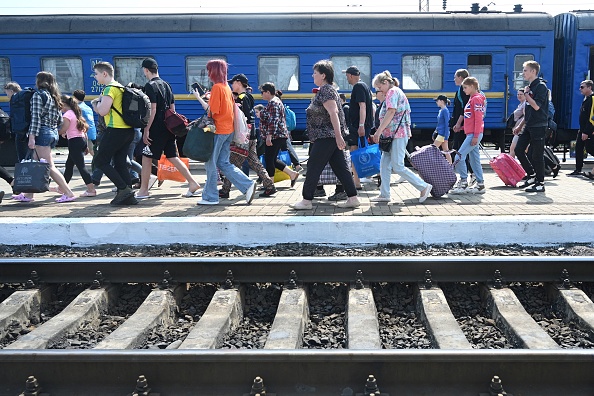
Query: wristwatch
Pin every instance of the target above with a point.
(361, 124)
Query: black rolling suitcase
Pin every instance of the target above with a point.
(551, 162)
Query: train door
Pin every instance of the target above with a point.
(514, 78)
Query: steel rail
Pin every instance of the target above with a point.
(308, 269)
(298, 372)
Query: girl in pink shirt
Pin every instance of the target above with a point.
(74, 128)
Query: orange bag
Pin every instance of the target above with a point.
(167, 171)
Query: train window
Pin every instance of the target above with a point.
(4, 71)
(283, 71)
(129, 70)
(363, 62)
(480, 67)
(68, 72)
(196, 70)
(422, 72)
(519, 60)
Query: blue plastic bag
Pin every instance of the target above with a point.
(282, 155)
(366, 160)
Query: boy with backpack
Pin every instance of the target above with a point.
(117, 136)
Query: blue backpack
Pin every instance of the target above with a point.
(20, 110)
(290, 118)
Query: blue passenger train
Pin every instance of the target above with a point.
(422, 49)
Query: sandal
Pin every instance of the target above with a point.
(293, 181)
(190, 194)
(88, 194)
(22, 198)
(65, 198)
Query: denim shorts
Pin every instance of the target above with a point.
(48, 137)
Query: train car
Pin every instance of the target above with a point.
(573, 63)
(422, 49)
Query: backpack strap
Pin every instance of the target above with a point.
(120, 86)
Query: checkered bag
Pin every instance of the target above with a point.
(328, 177)
(434, 169)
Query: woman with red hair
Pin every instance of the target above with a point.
(220, 107)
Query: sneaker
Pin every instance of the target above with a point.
(350, 204)
(472, 179)
(223, 194)
(319, 193)
(528, 181)
(339, 196)
(249, 194)
(478, 188)
(379, 198)
(268, 192)
(460, 188)
(425, 193)
(575, 173)
(365, 180)
(205, 202)
(122, 196)
(301, 205)
(536, 187)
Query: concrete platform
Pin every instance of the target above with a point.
(503, 215)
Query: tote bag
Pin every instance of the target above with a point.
(199, 144)
(31, 176)
(167, 171)
(366, 159)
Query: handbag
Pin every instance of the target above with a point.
(385, 143)
(176, 123)
(167, 171)
(240, 149)
(199, 142)
(366, 159)
(31, 176)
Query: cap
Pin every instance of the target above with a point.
(150, 63)
(353, 70)
(441, 97)
(239, 77)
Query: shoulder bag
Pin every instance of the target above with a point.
(385, 143)
(199, 142)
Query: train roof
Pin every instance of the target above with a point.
(288, 22)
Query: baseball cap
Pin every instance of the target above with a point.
(441, 97)
(353, 70)
(150, 63)
(239, 77)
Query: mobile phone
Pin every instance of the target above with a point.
(198, 87)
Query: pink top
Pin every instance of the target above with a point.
(72, 131)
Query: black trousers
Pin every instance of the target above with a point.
(5, 175)
(270, 156)
(324, 151)
(535, 137)
(76, 156)
(114, 145)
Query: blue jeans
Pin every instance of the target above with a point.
(394, 160)
(220, 159)
(474, 155)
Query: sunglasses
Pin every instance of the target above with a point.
(582, 87)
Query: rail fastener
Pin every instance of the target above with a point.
(32, 388)
(496, 388)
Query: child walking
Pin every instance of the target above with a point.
(443, 130)
(474, 113)
(75, 128)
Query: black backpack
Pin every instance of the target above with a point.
(4, 126)
(136, 107)
(20, 110)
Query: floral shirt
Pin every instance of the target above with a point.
(396, 99)
(272, 120)
(319, 124)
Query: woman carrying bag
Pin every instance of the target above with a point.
(43, 132)
(326, 129)
(395, 125)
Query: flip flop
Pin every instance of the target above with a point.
(142, 196)
(293, 181)
(190, 194)
(88, 194)
(65, 198)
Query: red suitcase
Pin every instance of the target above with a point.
(508, 169)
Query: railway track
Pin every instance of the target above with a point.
(197, 364)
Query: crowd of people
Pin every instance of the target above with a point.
(334, 127)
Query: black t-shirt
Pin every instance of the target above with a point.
(540, 93)
(246, 101)
(360, 94)
(460, 101)
(159, 92)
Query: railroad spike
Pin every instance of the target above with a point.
(371, 386)
(32, 387)
(428, 280)
(258, 387)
